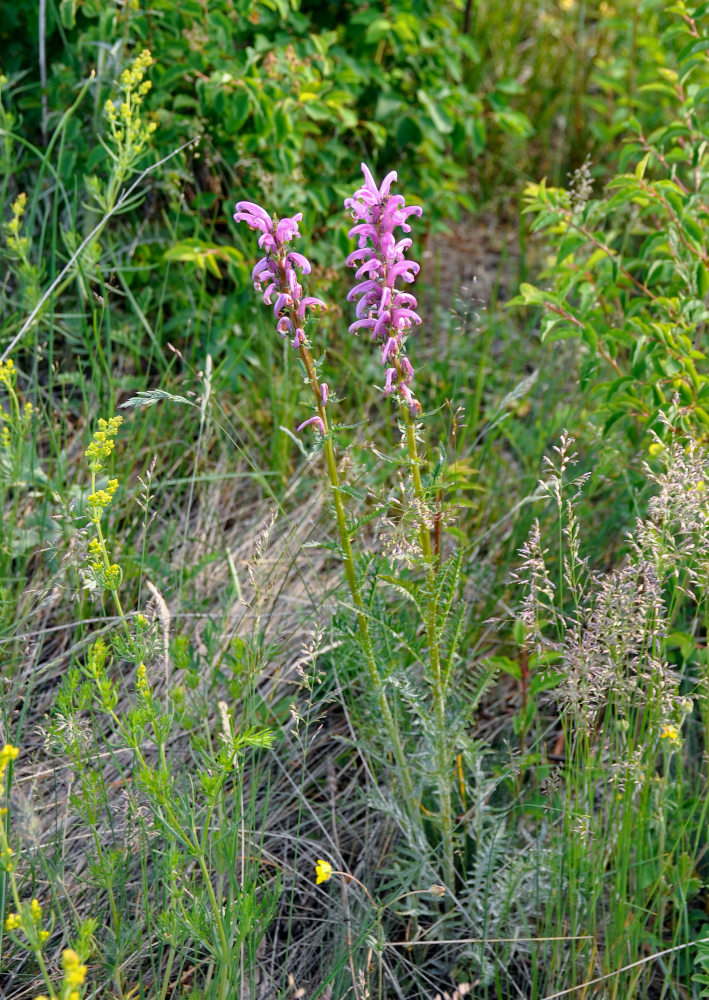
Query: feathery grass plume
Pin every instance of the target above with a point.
(619, 701)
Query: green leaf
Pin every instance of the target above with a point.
(378, 29)
(440, 118)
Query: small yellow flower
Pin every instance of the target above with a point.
(36, 910)
(701, 486)
(7, 753)
(671, 734)
(323, 871)
(74, 970)
(12, 921)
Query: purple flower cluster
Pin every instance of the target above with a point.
(381, 261)
(277, 270)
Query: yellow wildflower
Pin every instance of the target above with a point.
(323, 871)
(7, 754)
(669, 733)
(12, 921)
(74, 971)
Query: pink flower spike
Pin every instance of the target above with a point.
(381, 260)
(313, 420)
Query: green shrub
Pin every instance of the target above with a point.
(629, 274)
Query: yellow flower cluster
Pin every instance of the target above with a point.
(12, 921)
(102, 498)
(12, 228)
(8, 374)
(102, 444)
(125, 122)
(74, 972)
(671, 734)
(107, 576)
(7, 754)
(15, 422)
(141, 682)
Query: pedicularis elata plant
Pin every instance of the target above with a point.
(387, 312)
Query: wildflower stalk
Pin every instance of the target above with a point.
(105, 574)
(351, 575)
(277, 272)
(389, 314)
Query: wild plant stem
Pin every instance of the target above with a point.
(352, 582)
(107, 566)
(437, 680)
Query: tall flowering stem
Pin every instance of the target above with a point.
(276, 277)
(388, 313)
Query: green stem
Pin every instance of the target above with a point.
(437, 680)
(107, 566)
(352, 582)
(224, 964)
